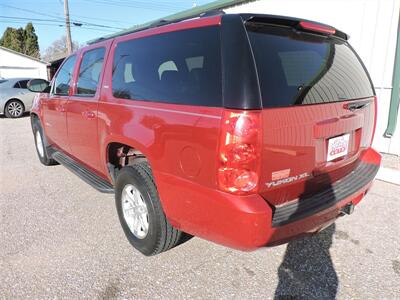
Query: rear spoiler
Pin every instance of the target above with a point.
(298, 24)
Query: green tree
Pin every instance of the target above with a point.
(21, 40)
(31, 45)
(13, 39)
(5, 40)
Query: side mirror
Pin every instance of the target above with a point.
(39, 86)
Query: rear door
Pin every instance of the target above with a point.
(318, 110)
(82, 108)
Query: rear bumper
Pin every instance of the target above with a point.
(249, 222)
(304, 207)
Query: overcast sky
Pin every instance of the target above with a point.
(99, 17)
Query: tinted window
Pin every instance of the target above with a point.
(22, 84)
(63, 79)
(300, 68)
(89, 71)
(182, 67)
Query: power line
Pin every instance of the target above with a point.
(58, 18)
(47, 24)
(54, 22)
(104, 20)
(58, 21)
(59, 25)
(28, 10)
(168, 4)
(29, 19)
(140, 5)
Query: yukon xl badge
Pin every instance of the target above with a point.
(287, 180)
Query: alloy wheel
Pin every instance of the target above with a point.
(39, 143)
(15, 109)
(135, 211)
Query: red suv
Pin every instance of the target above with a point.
(246, 130)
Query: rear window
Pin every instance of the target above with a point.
(300, 68)
(182, 67)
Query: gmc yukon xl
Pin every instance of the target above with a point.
(246, 130)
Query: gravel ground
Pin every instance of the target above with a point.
(59, 238)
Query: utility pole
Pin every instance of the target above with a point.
(67, 25)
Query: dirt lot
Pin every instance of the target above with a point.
(59, 238)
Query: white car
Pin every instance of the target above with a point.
(15, 98)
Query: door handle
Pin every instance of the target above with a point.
(356, 105)
(89, 114)
(61, 108)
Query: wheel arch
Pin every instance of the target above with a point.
(16, 99)
(119, 154)
(34, 116)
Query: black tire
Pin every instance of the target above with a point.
(161, 236)
(44, 156)
(14, 109)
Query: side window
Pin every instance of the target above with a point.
(63, 78)
(16, 85)
(89, 72)
(182, 67)
(23, 84)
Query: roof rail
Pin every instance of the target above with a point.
(206, 10)
(157, 23)
(210, 13)
(162, 22)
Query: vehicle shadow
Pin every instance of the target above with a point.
(25, 115)
(307, 270)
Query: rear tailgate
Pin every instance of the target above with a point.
(318, 110)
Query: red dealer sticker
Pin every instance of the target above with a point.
(338, 147)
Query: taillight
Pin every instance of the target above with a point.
(239, 151)
(317, 27)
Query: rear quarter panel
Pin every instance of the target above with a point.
(178, 140)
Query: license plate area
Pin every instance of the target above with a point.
(338, 147)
